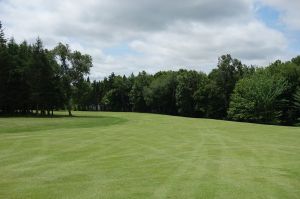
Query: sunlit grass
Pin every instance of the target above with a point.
(131, 155)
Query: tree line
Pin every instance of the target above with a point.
(37, 80)
(231, 91)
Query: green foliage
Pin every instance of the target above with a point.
(117, 98)
(160, 95)
(290, 71)
(296, 101)
(256, 98)
(74, 66)
(137, 100)
(188, 91)
(222, 83)
(2, 36)
(33, 78)
(296, 60)
(82, 94)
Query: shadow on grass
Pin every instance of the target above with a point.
(31, 123)
(46, 116)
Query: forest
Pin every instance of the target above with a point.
(35, 80)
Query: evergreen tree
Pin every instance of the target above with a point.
(2, 36)
(137, 99)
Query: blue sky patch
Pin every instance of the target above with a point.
(270, 17)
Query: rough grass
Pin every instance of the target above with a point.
(131, 155)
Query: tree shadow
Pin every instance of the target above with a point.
(49, 116)
(57, 122)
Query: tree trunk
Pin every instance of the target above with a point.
(70, 113)
(43, 113)
(69, 107)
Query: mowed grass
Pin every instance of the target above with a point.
(132, 155)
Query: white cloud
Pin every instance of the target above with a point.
(290, 14)
(165, 34)
(197, 46)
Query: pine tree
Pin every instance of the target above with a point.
(4, 70)
(297, 103)
(2, 36)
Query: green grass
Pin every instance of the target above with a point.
(131, 155)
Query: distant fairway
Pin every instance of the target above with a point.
(132, 155)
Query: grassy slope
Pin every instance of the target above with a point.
(130, 155)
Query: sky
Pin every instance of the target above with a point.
(128, 36)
